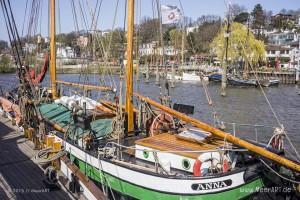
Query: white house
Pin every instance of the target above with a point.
(152, 49)
(191, 29)
(29, 48)
(65, 52)
(282, 38)
(286, 55)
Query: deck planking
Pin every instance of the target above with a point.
(169, 142)
(20, 177)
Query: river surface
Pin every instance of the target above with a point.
(240, 106)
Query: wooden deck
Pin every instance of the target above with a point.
(20, 177)
(169, 142)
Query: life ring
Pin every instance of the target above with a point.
(209, 160)
(161, 122)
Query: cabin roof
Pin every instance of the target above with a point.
(170, 142)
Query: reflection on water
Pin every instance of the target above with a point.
(241, 106)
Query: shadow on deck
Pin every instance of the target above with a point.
(20, 177)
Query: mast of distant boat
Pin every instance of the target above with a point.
(224, 75)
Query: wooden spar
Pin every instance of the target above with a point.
(113, 106)
(239, 142)
(129, 68)
(90, 185)
(52, 50)
(85, 87)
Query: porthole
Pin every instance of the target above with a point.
(186, 164)
(145, 153)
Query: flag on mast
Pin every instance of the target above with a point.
(170, 14)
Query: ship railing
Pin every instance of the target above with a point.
(243, 130)
(115, 145)
(116, 150)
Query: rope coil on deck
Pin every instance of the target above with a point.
(42, 159)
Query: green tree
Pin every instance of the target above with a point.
(282, 22)
(242, 17)
(176, 37)
(241, 45)
(5, 64)
(258, 19)
(199, 40)
(112, 44)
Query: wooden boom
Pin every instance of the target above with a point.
(242, 143)
(85, 87)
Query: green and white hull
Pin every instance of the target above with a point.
(142, 184)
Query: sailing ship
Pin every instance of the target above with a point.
(144, 153)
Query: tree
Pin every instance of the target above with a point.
(258, 19)
(207, 19)
(282, 23)
(175, 37)
(3, 45)
(199, 40)
(242, 17)
(236, 9)
(149, 30)
(241, 45)
(112, 44)
(5, 65)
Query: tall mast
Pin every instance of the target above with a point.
(52, 49)
(129, 67)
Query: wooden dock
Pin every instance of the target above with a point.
(20, 177)
(283, 77)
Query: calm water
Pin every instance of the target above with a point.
(241, 106)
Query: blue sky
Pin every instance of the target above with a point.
(192, 8)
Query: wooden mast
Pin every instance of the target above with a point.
(230, 138)
(129, 67)
(52, 49)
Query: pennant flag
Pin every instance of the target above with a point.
(170, 14)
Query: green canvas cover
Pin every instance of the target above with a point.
(61, 115)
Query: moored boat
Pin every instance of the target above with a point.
(215, 77)
(269, 82)
(235, 81)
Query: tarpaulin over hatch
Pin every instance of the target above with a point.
(61, 115)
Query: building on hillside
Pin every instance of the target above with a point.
(285, 17)
(65, 52)
(103, 33)
(152, 49)
(282, 38)
(83, 40)
(283, 56)
(297, 21)
(191, 29)
(29, 47)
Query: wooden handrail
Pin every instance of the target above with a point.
(84, 86)
(239, 142)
